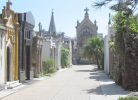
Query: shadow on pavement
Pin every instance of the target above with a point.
(113, 89)
(107, 86)
(96, 91)
(30, 82)
(93, 70)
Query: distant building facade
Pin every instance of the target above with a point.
(67, 43)
(37, 44)
(52, 44)
(27, 24)
(84, 30)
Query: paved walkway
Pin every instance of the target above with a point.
(76, 83)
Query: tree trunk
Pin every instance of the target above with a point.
(97, 60)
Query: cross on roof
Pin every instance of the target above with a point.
(86, 14)
(86, 10)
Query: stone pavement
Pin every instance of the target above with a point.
(77, 83)
(109, 89)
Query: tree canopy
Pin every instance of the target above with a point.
(94, 48)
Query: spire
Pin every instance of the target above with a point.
(109, 19)
(52, 28)
(95, 22)
(86, 13)
(40, 28)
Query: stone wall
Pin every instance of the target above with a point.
(130, 71)
(115, 67)
(127, 75)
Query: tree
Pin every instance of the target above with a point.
(126, 31)
(118, 5)
(124, 22)
(94, 48)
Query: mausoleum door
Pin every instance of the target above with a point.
(9, 64)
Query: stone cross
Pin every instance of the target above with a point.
(86, 10)
(86, 14)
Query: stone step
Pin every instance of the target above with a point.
(12, 84)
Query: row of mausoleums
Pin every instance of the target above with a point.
(23, 50)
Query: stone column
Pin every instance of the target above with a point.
(2, 65)
(70, 48)
(106, 54)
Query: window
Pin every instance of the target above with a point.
(25, 34)
(29, 34)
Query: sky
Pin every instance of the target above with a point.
(66, 13)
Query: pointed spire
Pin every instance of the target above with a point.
(109, 19)
(86, 13)
(40, 28)
(52, 28)
(95, 22)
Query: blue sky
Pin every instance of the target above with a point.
(66, 13)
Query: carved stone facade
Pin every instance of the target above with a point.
(10, 21)
(37, 44)
(2, 52)
(84, 30)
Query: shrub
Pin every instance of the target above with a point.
(64, 57)
(48, 66)
(129, 98)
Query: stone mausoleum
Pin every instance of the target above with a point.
(84, 30)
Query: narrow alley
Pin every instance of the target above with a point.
(82, 82)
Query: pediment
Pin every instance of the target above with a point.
(86, 23)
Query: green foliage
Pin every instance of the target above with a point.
(112, 45)
(124, 24)
(94, 48)
(121, 21)
(133, 20)
(126, 29)
(48, 66)
(128, 6)
(64, 57)
(129, 98)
